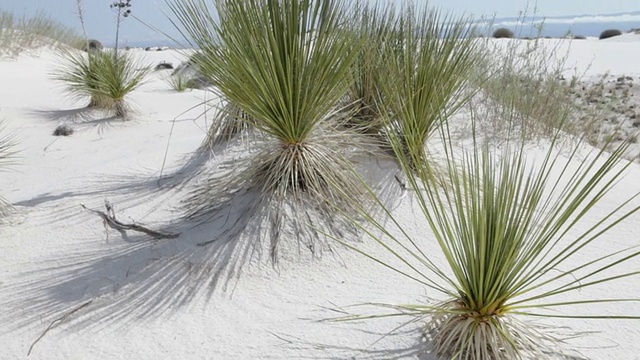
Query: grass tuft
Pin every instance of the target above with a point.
(521, 89)
(19, 34)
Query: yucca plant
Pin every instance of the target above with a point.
(513, 234)
(285, 66)
(426, 75)
(375, 27)
(105, 77)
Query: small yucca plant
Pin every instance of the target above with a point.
(78, 72)
(117, 75)
(512, 234)
(105, 77)
(180, 82)
(425, 78)
(284, 66)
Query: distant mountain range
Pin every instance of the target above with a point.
(556, 26)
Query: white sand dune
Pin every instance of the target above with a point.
(614, 55)
(56, 257)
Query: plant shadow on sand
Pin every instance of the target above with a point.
(72, 116)
(81, 118)
(407, 340)
(385, 348)
(119, 278)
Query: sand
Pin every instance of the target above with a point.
(56, 257)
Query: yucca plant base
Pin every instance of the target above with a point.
(461, 332)
(290, 163)
(120, 108)
(289, 193)
(294, 171)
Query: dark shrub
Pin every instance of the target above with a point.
(503, 33)
(579, 37)
(63, 130)
(610, 33)
(164, 66)
(92, 45)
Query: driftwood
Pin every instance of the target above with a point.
(109, 218)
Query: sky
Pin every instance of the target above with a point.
(100, 19)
